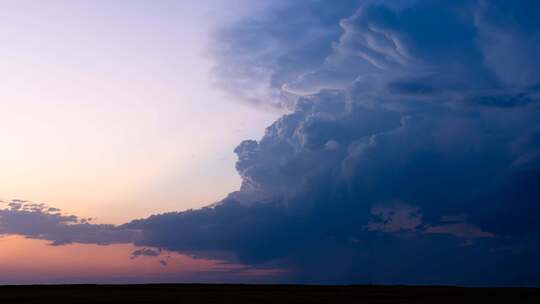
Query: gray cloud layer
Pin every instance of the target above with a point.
(38, 221)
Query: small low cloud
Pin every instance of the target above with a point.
(460, 229)
(395, 217)
(145, 252)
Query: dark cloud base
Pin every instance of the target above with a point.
(386, 203)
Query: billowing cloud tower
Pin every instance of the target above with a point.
(409, 151)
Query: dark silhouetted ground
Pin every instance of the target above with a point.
(280, 294)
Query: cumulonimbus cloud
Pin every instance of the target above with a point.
(410, 152)
(407, 151)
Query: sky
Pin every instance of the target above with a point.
(103, 103)
(311, 141)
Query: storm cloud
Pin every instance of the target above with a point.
(409, 152)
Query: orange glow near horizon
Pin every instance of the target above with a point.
(35, 261)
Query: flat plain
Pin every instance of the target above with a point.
(281, 294)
